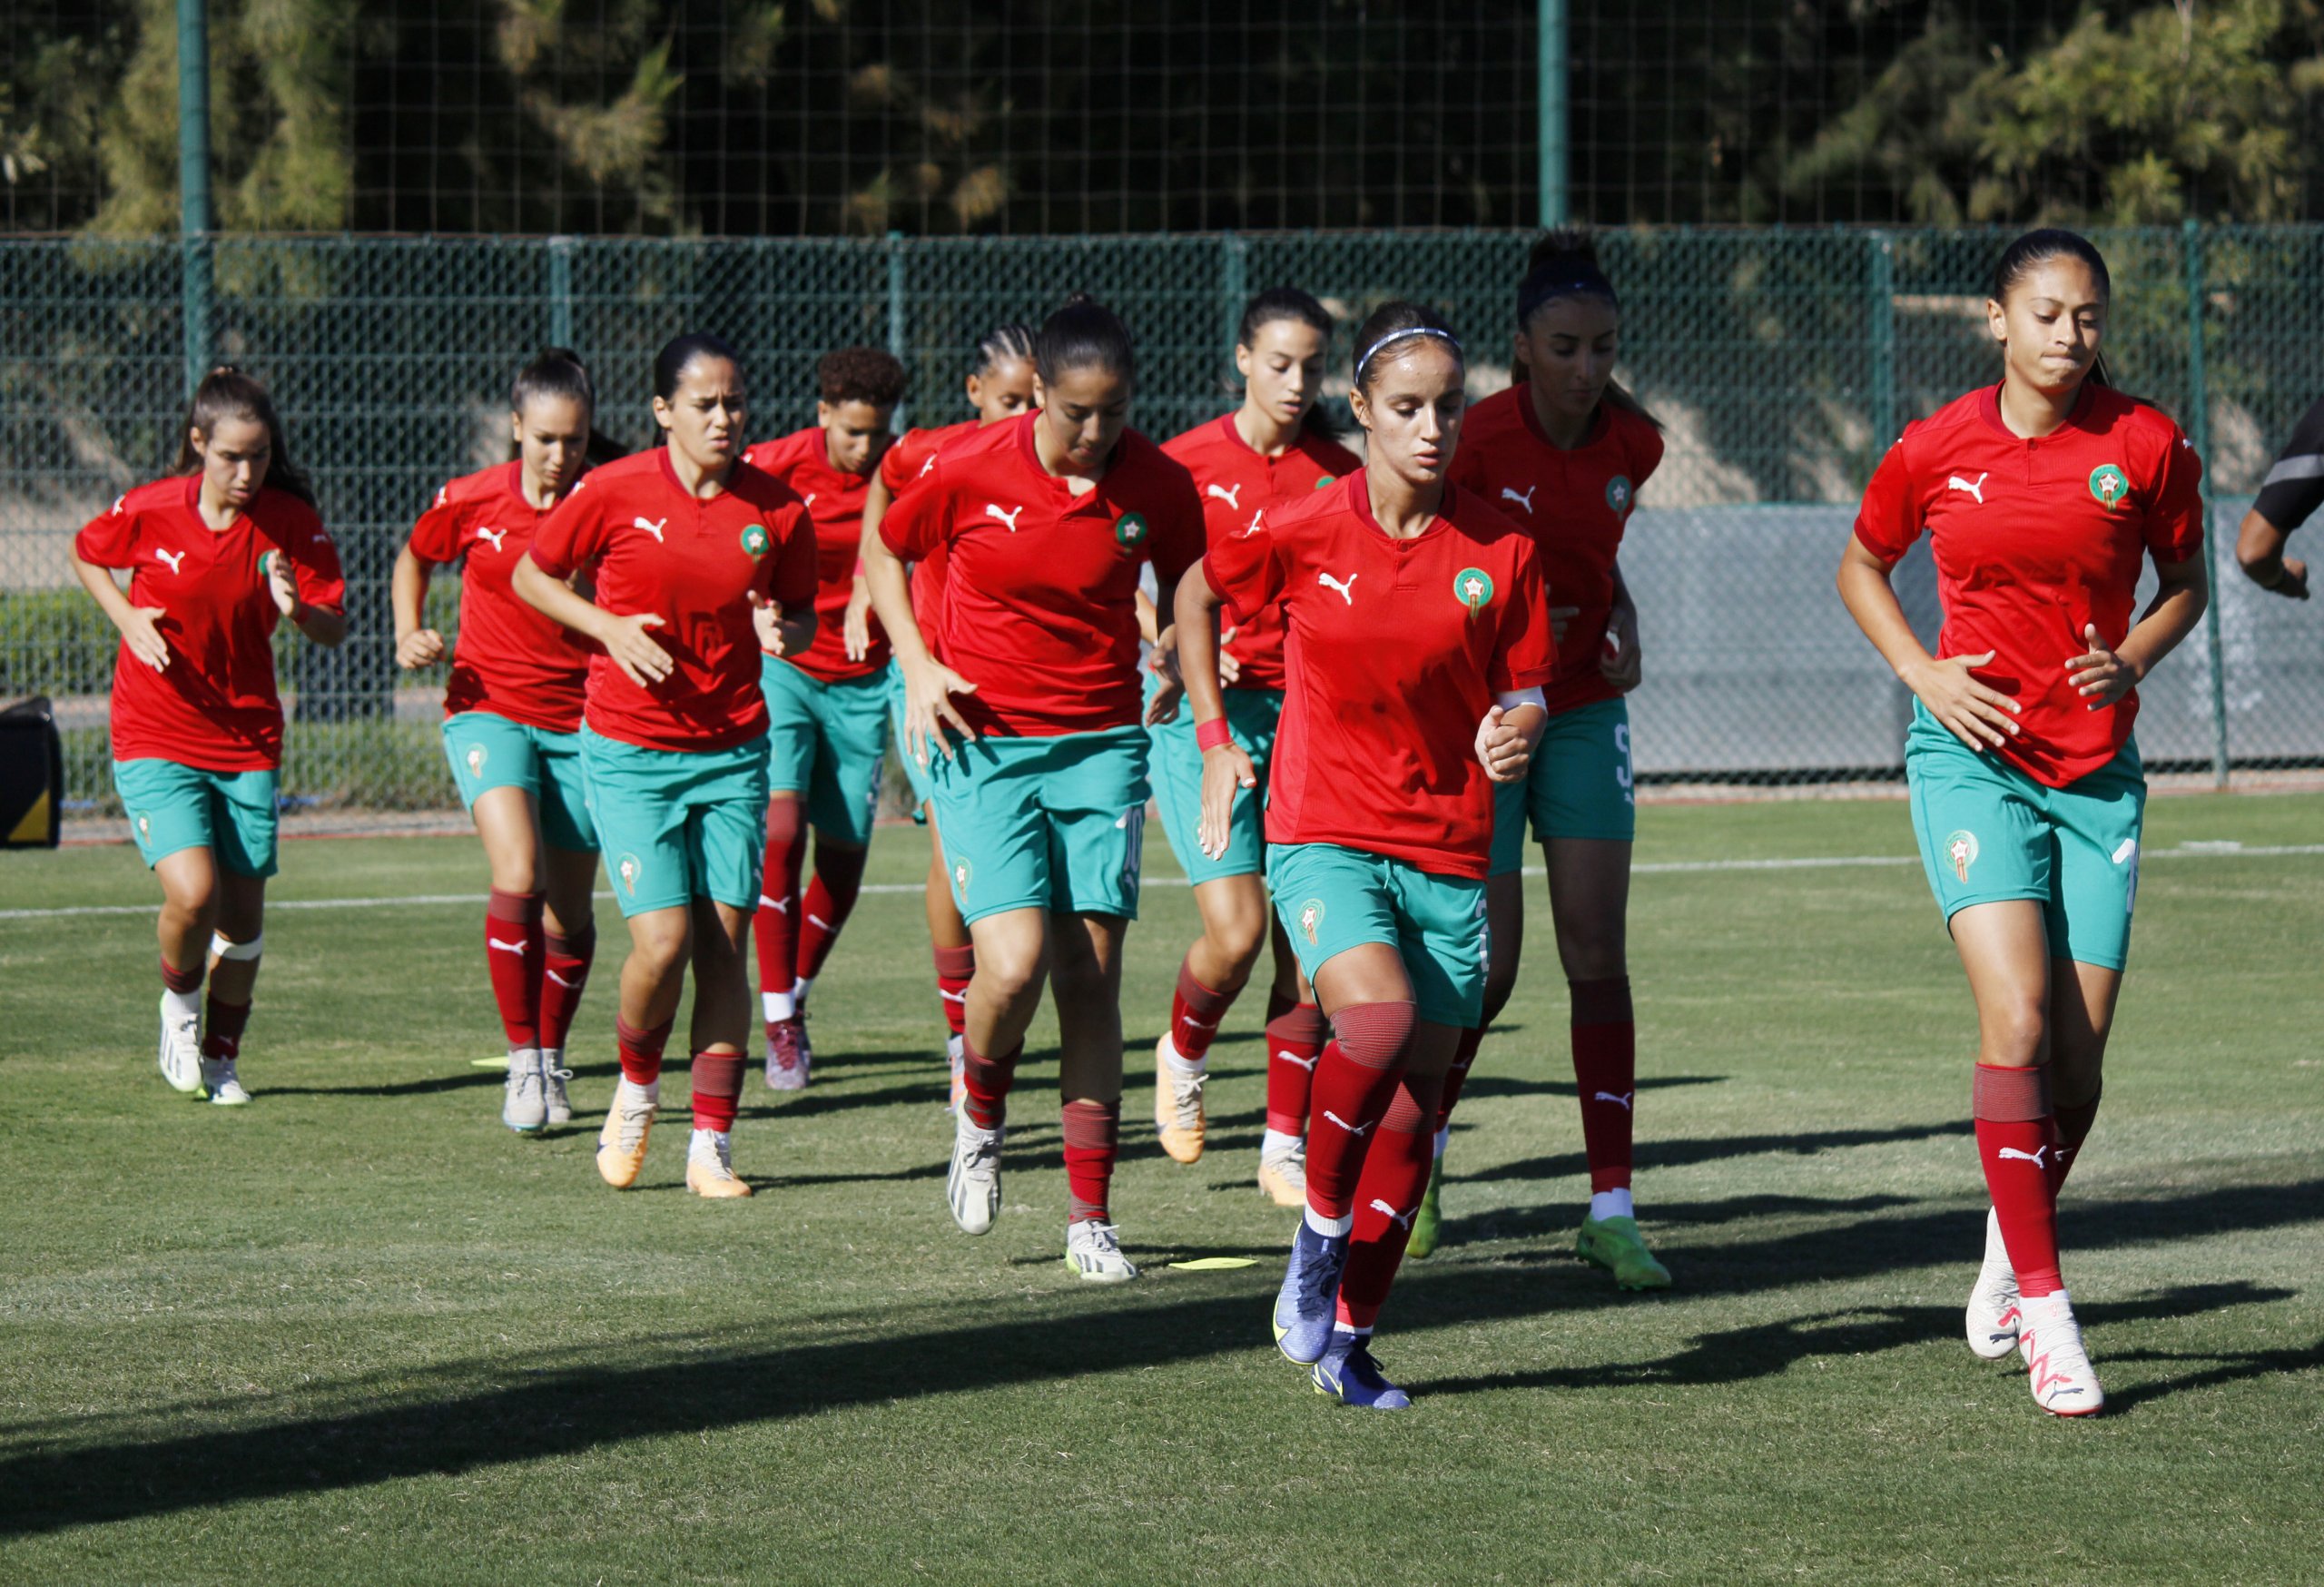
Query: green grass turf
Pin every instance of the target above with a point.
(359, 1332)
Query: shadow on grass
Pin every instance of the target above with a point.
(1673, 1154)
(560, 1413)
(1486, 1082)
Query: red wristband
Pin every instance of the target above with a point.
(1214, 733)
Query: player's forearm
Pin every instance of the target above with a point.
(1872, 601)
(2178, 605)
(555, 601)
(98, 582)
(321, 625)
(407, 595)
(799, 632)
(2260, 550)
(883, 575)
(1194, 608)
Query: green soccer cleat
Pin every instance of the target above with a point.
(1427, 1223)
(1615, 1245)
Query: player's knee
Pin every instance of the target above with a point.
(662, 945)
(1010, 971)
(2015, 1028)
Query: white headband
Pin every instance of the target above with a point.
(1369, 352)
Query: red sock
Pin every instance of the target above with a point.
(1195, 1013)
(1605, 1076)
(222, 1025)
(1465, 1058)
(1279, 1005)
(182, 980)
(564, 970)
(1296, 1038)
(2011, 1107)
(717, 1087)
(985, 1084)
(513, 953)
(955, 966)
(775, 926)
(1387, 1198)
(2066, 1141)
(831, 898)
(1354, 1079)
(1092, 1132)
(641, 1050)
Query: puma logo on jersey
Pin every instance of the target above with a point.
(2033, 1157)
(1402, 1220)
(173, 557)
(1357, 1130)
(1977, 490)
(497, 946)
(652, 527)
(1346, 591)
(807, 500)
(1227, 494)
(1525, 501)
(1253, 528)
(992, 510)
(495, 536)
(1292, 1058)
(1609, 1096)
(925, 467)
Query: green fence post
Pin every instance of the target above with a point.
(1882, 289)
(2199, 432)
(897, 339)
(194, 224)
(560, 290)
(1550, 130)
(1234, 291)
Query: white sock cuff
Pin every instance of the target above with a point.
(777, 1005)
(224, 949)
(1331, 1227)
(1444, 1139)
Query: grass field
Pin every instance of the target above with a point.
(359, 1332)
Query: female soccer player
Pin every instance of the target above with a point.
(1563, 452)
(217, 554)
(701, 563)
(1380, 819)
(1269, 453)
(2040, 496)
(512, 724)
(1045, 521)
(827, 706)
(999, 386)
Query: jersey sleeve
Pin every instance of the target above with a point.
(2294, 487)
(2174, 518)
(1178, 531)
(573, 534)
(314, 559)
(436, 538)
(1525, 652)
(1646, 454)
(791, 576)
(1247, 570)
(918, 522)
(110, 540)
(1890, 519)
(902, 464)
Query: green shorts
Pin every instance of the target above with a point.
(1579, 786)
(1988, 832)
(171, 806)
(923, 789)
(1052, 824)
(1178, 784)
(1331, 899)
(677, 825)
(488, 750)
(828, 741)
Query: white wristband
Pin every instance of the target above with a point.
(1516, 697)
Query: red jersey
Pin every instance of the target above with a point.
(1237, 484)
(803, 460)
(904, 466)
(1041, 608)
(214, 706)
(1576, 504)
(1395, 651)
(509, 659)
(653, 547)
(2033, 539)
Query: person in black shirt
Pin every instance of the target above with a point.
(2294, 489)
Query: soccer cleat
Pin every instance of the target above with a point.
(1428, 1224)
(621, 1144)
(1615, 1245)
(788, 1055)
(524, 1106)
(2057, 1368)
(1993, 1315)
(710, 1167)
(972, 1188)
(1306, 1306)
(556, 1106)
(1348, 1373)
(955, 1054)
(1283, 1176)
(181, 1054)
(1094, 1251)
(1178, 1105)
(219, 1084)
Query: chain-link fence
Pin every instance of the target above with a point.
(1781, 363)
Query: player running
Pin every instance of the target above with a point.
(1269, 453)
(999, 386)
(701, 563)
(217, 554)
(512, 724)
(1418, 641)
(2040, 496)
(1045, 521)
(827, 706)
(2293, 489)
(1563, 452)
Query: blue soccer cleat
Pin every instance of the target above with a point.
(1348, 1373)
(1309, 1301)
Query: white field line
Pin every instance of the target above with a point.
(1663, 868)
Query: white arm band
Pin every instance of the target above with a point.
(1516, 697)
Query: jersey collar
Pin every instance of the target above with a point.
(1032, 460)
(1600, 419)
(670, 474)
(1359, 501)
(1989, 408)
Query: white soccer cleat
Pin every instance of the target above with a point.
(710, 1167)
(1094, 1251)
(524, 1104)
(219, 1083)
(1284, 1175)
(1994, 1315)
(2057, 1367)
(972, 1188)
(556, 1105)
(181, 1054)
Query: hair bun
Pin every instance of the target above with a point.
(1563, 245)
